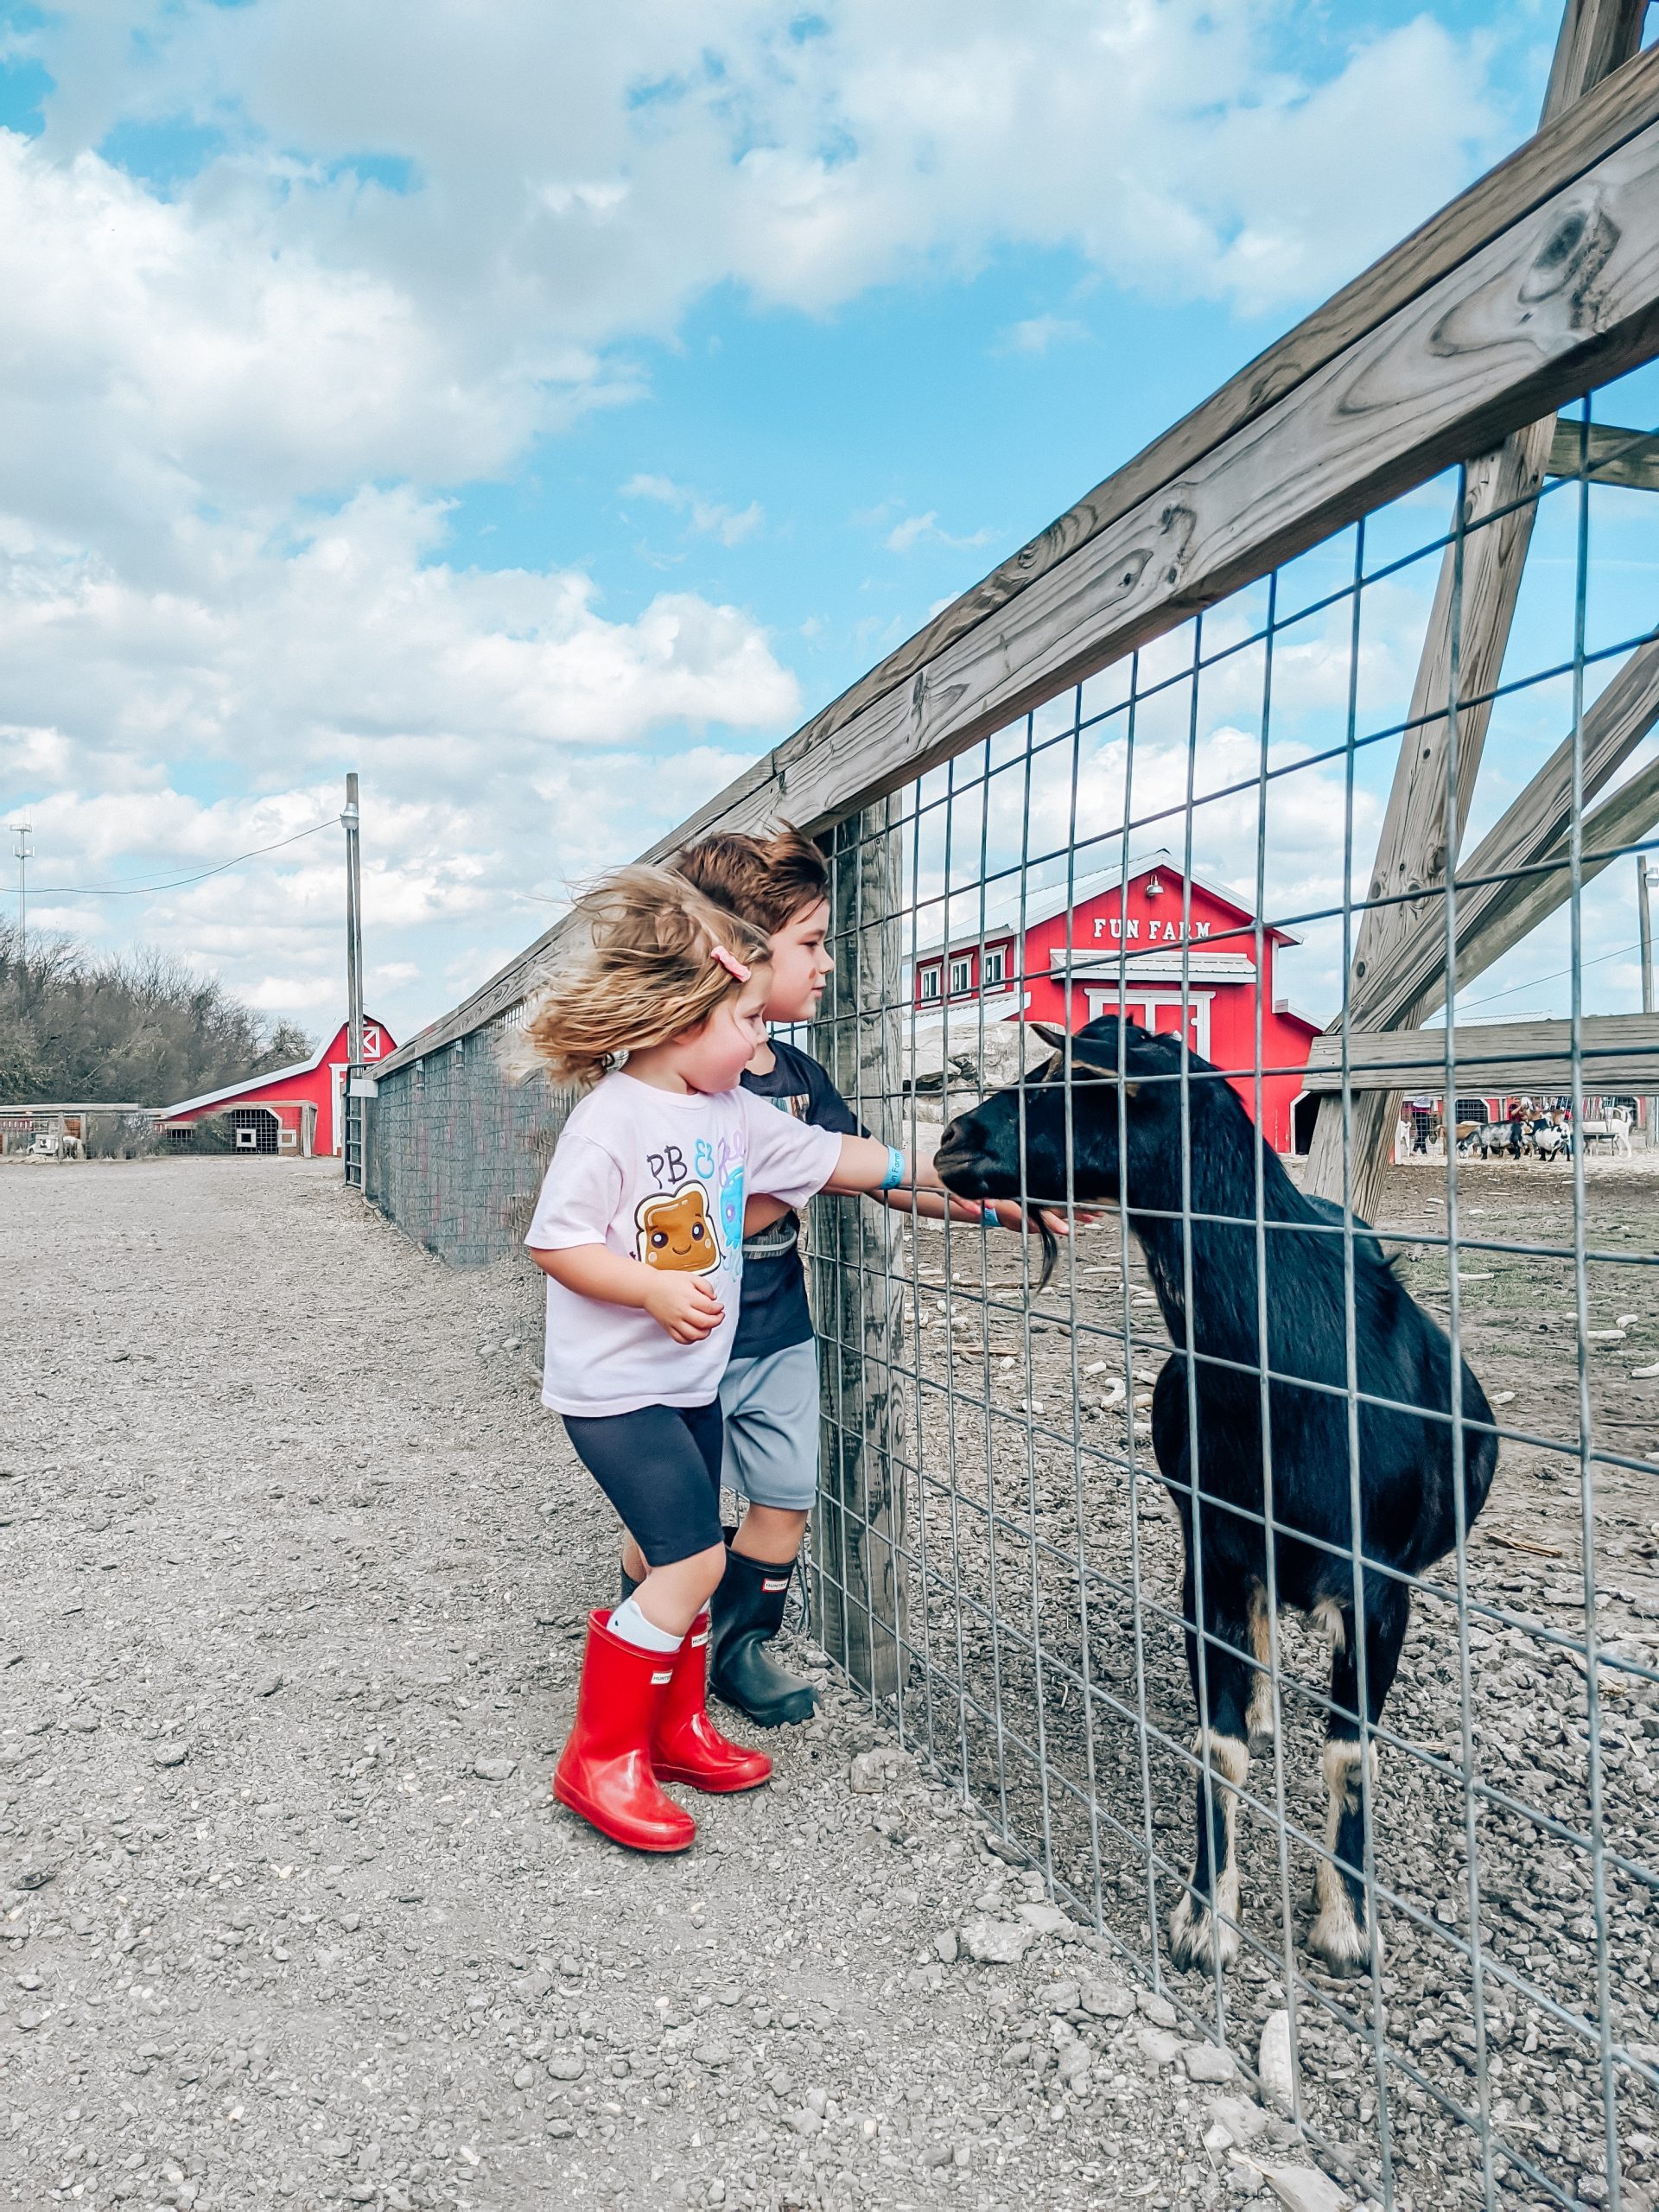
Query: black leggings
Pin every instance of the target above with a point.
(659, 1466)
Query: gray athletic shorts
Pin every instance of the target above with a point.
(770, 1409)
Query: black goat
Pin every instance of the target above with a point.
(1406, 1459)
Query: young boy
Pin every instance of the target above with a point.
(769, 1397)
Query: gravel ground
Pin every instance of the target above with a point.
(296, 1571)
(1019, 1504)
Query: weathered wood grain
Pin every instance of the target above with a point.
(1532, 304)
(1533, 829)
(1620, 1051)
(859, 1520)
(1593, 128)
(1608, 833)
(1627, 458)
(1464, 645)
(1567, 295)
(1596, 37)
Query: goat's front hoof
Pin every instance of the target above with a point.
(1339, 1941)
(1197, 1937)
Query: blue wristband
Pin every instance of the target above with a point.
(988, 1215)
(896, 1173)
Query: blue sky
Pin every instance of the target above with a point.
(544, 411)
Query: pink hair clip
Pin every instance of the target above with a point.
(729, 963)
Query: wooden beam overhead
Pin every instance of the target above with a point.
(1618, 1052)
(1629, 458)
(1612, 830)
(1462, 659)
(1505, 306)
(1533, 830)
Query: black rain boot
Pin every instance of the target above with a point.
(745, 1612)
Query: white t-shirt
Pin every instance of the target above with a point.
(660, 1176)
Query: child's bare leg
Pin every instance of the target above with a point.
(670, 1598)
(633, 1559)
(769, 1532)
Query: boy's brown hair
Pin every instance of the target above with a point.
(769, 881)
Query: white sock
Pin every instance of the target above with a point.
(631, 1624)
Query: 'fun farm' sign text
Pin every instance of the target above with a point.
(1157, 933)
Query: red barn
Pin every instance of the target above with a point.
(1115, 944)
(293, 1109)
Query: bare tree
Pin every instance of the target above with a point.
(139, 1025)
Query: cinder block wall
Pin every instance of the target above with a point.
(457, 1147)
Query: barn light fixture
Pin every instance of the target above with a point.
(1154, 889)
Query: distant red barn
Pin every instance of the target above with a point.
(1114, 943)
(293, 1109)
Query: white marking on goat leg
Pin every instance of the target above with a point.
(1199, 1932)
(1260, 1722)
(1337, 1935)
(1328, 1617)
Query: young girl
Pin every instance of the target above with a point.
(639, 1229)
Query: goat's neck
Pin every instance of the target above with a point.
(1224, 1252)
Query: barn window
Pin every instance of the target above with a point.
(961, 976)
(930, 983)
(996, 966)
(255, 1129)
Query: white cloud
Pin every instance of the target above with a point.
(904, 536)
(227, 409)
(507, 733)
(1040, 333)
(730, 525)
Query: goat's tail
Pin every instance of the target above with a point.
(1037, 1219)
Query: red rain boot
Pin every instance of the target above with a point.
(685, 1745)
(605, 1770)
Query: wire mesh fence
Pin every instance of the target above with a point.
(1387, 1798)
(1263, 1536)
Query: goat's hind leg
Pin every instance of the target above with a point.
(1261, 1720)
(1345, 1929)
(1204, 1924)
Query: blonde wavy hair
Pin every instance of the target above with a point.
(647, 973)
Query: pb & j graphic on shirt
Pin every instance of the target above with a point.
(675, 1232)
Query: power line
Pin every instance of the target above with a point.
(1619, 952)
(177, 883)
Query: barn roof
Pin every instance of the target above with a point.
(1042, 903)
(260, 1081)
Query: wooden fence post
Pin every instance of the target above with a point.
(858, 1539)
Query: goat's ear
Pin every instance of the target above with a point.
(1056, 1039)
(1131, 1088)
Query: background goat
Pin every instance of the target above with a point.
(1406, 1457)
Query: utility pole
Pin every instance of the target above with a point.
(1644, 925)
(355, 1117)
(25, 852)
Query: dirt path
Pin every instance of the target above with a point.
(295, 1573)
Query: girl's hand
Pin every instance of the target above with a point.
(682, 1305)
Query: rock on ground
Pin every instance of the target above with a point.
(293, 1611)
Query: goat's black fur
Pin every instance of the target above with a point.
(1126, 1145)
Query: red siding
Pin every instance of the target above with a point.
(287, 1095)
(1221, 1009)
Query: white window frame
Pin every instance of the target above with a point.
(994, 968)
(962, 966)
(931, 982)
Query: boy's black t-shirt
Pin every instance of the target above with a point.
(772, 1312)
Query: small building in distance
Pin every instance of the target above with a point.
(56, 1130)
(297, 1109)
(1115, 943)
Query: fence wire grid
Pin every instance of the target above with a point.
(998, 1552)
